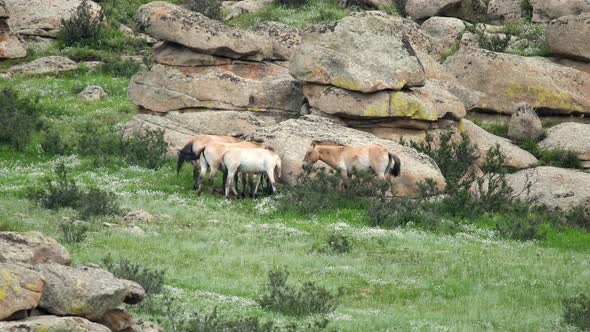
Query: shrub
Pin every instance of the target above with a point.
(209, 8)
(576, 311)
(305, 300)
(338, 243)
(292, 3)
(82, 28)
(53, 144)
(59, 192)
(151, 280)
(146, 148)
(99, 142)
(19, 117)
(401, 212)
(73, 233)
(96, 202)
(559, 158)
(579, 217)
(527, 9)
(523, 229)
(216, 322)
(317, 191)
(121, 68)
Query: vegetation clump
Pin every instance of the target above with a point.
(576, 311)
(152, 280)
(338, 243)
(296, 301)
(83, 27)
(19, 117)
(73, 233)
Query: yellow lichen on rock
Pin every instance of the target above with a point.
(346, 84)
(381, 110)
(403, 106)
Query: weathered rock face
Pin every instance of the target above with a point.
(20, 289)
(177, 55)
(238, 86)
(31, 248)
(515, 156)
(232, 9)
(547, 10)
(10, 45)
(364, 52)
(166, 21)
(45, 65)
(524, 123)
(444, 32)
(180, 127)
(291, 138)
(93, 92)
(505, 80)
(570, 36)
(428, 103)
(42, 18)
(505, 9)
(285, 39)
(569, 136)
(117, 320)
(552, 186)
(52, 324)
(87, 292)
(466, 9)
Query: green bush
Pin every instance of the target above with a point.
(216, 322)
(151, 280)
(209, 8)
(53, 144)
(118, 67)
(82, 28)
(490, 41)
(522, 229)
(576, 311)
(401, 212)
(146, 148)
(296, 301)
(73, 233)
(96, 202)
(338, 243)
(317, 191)
(527, 9)
(19, 117)
(579, 217)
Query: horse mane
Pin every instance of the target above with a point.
(325, 142)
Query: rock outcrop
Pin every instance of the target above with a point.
(506, 79)
(20, 289)
(505, 10)
(524, 123)
(570, 136)
(31, 248)
(465, 9)
(45, 65)
(10, 45)
(552, 186)
(570, 36)
(547, 10)
(292, 137)
(42, 18)
(444, 32)
(52, 324)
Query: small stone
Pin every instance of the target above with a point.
(524, 123)
(139, 216)
(93, 92)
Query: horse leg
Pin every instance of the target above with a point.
(271, 177)
(251, 185)
(258, 181)
(244, 176)
(212, 174)
(234, 179)
(229, 184)
(201, 178)
(196, 171)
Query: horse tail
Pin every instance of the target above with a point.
(186, 153)
(394, 170)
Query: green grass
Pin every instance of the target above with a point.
(314, 11)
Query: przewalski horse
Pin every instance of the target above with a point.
(212, 157)
(251, 161)
(193, 149)
(346, 159)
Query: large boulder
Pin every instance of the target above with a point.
(31, 248)
(484, 141)
(118, 320)
(41, 17)
(45, 65)
(427, 103)
(52, 324)
(445, 33)
(505, 10)
(20, 289)
(166, 21)
(365, 52)
(569, 136)
(291, 138)
(180, 127)
(524, 123)
(255, 86)
(465, 9)
(285, 38)
(173, 54)
(86, 291)
(506, 79)
(10, 45)
(547, 10)
(552, 186)
(570, 36)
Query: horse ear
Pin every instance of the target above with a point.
(314, 143)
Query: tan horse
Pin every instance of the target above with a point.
(345, 159)
(212, 158)
(193, 149)
(251, 161)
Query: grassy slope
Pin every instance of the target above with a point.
(217, 253)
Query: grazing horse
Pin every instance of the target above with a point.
(193, 149)
(251, 161)
(212, 157)
(345, 159)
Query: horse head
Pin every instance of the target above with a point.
(312, 155)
